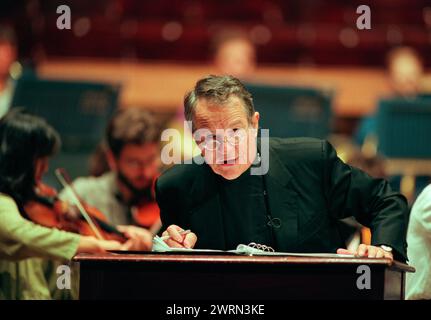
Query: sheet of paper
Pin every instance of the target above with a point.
(160, 246)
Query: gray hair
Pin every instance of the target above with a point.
(217, 89)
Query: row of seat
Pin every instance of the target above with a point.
(385, 12)
(158, 39)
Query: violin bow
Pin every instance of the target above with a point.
(62, 177)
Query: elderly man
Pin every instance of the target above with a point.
(294, 205)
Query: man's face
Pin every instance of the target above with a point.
(406, 73)
(139, 164)
(225, 136)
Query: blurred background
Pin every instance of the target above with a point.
(311, 70)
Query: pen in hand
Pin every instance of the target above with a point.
(181, 233)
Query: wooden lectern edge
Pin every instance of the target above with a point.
(239, 259)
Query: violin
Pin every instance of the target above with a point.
(47, 209)
(147, 212)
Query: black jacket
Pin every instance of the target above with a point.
(309, 189)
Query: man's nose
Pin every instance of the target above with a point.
(228, 149)
(146, 172)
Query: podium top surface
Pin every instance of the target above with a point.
(146, 257)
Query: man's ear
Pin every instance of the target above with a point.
(255, 120)
(110, 158)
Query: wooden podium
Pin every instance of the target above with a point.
(152, 276)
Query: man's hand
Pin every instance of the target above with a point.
(178, 240)
(139, 239)
(368, 251)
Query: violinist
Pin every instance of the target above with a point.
(26, 144)
(125, 193)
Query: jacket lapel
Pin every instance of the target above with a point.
(205, 216)
(282, 204)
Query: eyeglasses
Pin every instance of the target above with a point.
(233, 137)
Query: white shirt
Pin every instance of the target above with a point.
(418, 284)
(100, 192)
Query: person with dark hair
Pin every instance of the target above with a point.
(8, 55)
(26, 144)
(125, 193)
(287, 194)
